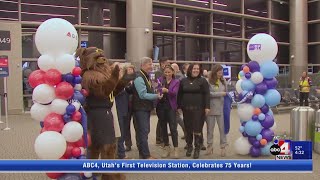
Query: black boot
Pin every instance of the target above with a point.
(197, 143)
(189, 150)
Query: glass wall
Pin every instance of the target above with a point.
(9, 10)
(314, 33)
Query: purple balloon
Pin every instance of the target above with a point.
(255, 152)
(261, 88)
(243, 124)
(251, 139)
(256, 144)
(267, 134)
(271, 83)
(255, 117)
(242, 66)
(265, 109)
(248, 75)
(268, 121)
(254, 66)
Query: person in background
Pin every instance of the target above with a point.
(164, 61)
(179, 76)
(185, 69)
(194, 102)
(205, 73)
(218, 89)
(304, 86)
(122, 103)
(166, 110)
(142, 105)
(129, 89)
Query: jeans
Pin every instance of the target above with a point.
(167, 115)
(142, 127)
(211, 121)
(304, 96)
(127, 124)
(121, 149)
(158, 132)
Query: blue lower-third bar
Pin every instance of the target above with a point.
(155, 166)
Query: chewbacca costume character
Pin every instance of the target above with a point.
(103, 81)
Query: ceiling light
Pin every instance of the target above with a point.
(252, 10)
(232, 24)
(156, 23)
(160, 15)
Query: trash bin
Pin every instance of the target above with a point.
(317, 133)
(302, 124)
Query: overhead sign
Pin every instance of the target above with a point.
(5, 41)
(4, 66)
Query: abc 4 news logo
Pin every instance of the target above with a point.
(281, 149)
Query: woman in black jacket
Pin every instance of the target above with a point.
(194, 101)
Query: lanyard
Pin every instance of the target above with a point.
(146, 78)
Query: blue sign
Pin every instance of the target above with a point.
(4, 66)
(301, 149)
(159, 166)
(84, 44)
(226, 71)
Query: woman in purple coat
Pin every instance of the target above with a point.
(166, 109)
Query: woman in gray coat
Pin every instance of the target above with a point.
(218, 89)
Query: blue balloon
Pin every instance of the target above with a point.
(78, 96)
(77, 80)
(265, 151)
(77, 63)
(241, 73)
(68, 78)
(70, 176)
(70, 109)
(259, 137)
(272, 97)
(270, 112)
(269, 69)
(253, 128)
(66, 118)
(82, 157)
(258, 101)
(247, 85)
(261, 116)
(241, 129)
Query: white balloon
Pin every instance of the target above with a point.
(274, 127)
(242, 146)
(256, 77)
(77, 105)
(78, 87)
(238, 86)
(72, 131)
(262, 47)
(245, 111)
(87, 174)
(65, 63)
(50, 145)
(56, 36)
(39, 112)
(43, 94)
(46, 62)
(59, 106)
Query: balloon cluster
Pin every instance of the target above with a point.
(58, 95)
(256, 87)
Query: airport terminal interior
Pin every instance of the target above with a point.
(185, 31)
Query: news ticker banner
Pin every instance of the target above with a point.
(157, 166)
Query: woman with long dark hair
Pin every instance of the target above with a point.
(166, 109)
(218, 89)
(193, 100)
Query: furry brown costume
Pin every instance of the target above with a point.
(103, 81)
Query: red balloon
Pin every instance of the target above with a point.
(76, 71)
(84, 92)
(62, 158)
(76, 116)
(64, 91)
(36, 78)
(68, 152)
(76, 152)
(53, 122)
(54, 175)
(53, 77)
